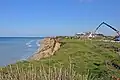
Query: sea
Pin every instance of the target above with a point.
(13, 49)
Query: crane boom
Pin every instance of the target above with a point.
(109, 27)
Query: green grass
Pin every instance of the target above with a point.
(43, 72)
(81, 55)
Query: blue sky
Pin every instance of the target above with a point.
(57, 17)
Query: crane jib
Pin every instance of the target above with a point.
(108, 26)
(111, 27)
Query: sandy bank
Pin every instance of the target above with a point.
(48, 48)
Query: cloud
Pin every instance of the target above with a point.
(85, 0)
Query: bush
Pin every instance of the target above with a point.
(32, 72)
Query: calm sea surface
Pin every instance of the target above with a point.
(13, 49)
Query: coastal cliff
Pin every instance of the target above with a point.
(97, 59)
(48, 48)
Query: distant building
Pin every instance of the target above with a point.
(79, 34)
(88, 34)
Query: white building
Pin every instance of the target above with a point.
(88, 34)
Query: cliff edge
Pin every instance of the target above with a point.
(48, 47)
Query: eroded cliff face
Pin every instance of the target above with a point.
(48, 48)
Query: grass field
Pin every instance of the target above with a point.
(76, 57)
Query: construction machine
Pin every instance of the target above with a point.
(117, 38)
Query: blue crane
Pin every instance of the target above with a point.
(117, 38)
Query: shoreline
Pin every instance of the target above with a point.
(17, 46)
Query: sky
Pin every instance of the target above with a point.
(57, 17)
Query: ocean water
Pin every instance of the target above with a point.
(13, 49)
